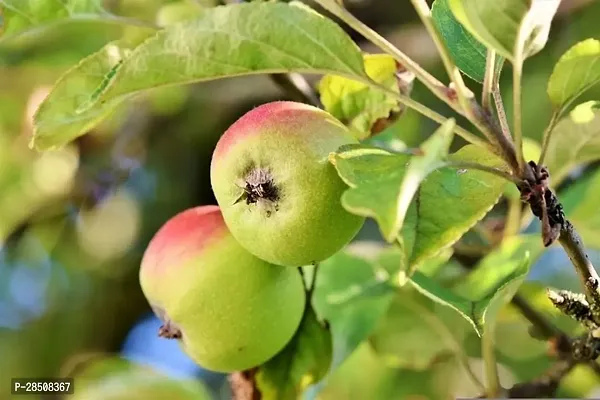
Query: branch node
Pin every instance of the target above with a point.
(575, 306)
(543, 202)
(586, 348)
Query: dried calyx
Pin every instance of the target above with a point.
(259, 186)
(168, 330)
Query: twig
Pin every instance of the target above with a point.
(547, 135)
(573, 245)
(470, 109)
(484, 168)
(434, 116)
(574, 305)
(313, 280)
(297, 87)
(500, 111)
(544, 386)
(541, 324)
(478, 116)
(489, 79)
(517, 116)
(434, 85)
(488, 353)
(243, 385)
(463, 94)
(514, 217)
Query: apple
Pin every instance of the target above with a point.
(279, 194)
(230, 310)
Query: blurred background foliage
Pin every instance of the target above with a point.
(74, 223)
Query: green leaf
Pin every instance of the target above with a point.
(296, 38)
(581, 205)
(515, 29)
(435, 150)
(374, 176)
(575, 140)
(52, 30)
(178, 11)
(371, 174)
(446, 205)
(366, 376)
(351, 294)
(21, 15)
(56, 121)
(575, 72)
(492, 283)
(468, 53)
(304, 361)
(416, 332)
(358, 105)
(392, 258)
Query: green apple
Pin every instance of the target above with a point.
(279, 194)
(231, 310)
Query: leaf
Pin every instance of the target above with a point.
(56, 121)
(351, 294)
(358, 105)
(575, 72)
(515, 29)
(435, 149)
(416, 332)
(21, 15)
(363, 168)
(58, 29)
(513, 337)
(304, 361)
(447, 204)
(492, 283)
(365, 376)
(374, 176)
(575, 140)
(468, 53)
(296, 39)
(581, 205)
(392, 259)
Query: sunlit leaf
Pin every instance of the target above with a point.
(468, 53)
(21, 15)
(515, 29)
(446, 205)
(58, 31)
(393, 260)
(178, 11)
(491, 284)
(400, 187)
(296, 38)
(360, 106)
(575, 72)
(435, 151)
(56, 120)
(366, 376)
(575, 140)
(304, 361)
(416, 331)
(351, 294)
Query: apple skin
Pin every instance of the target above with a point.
(230, 310)
(286, 144)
